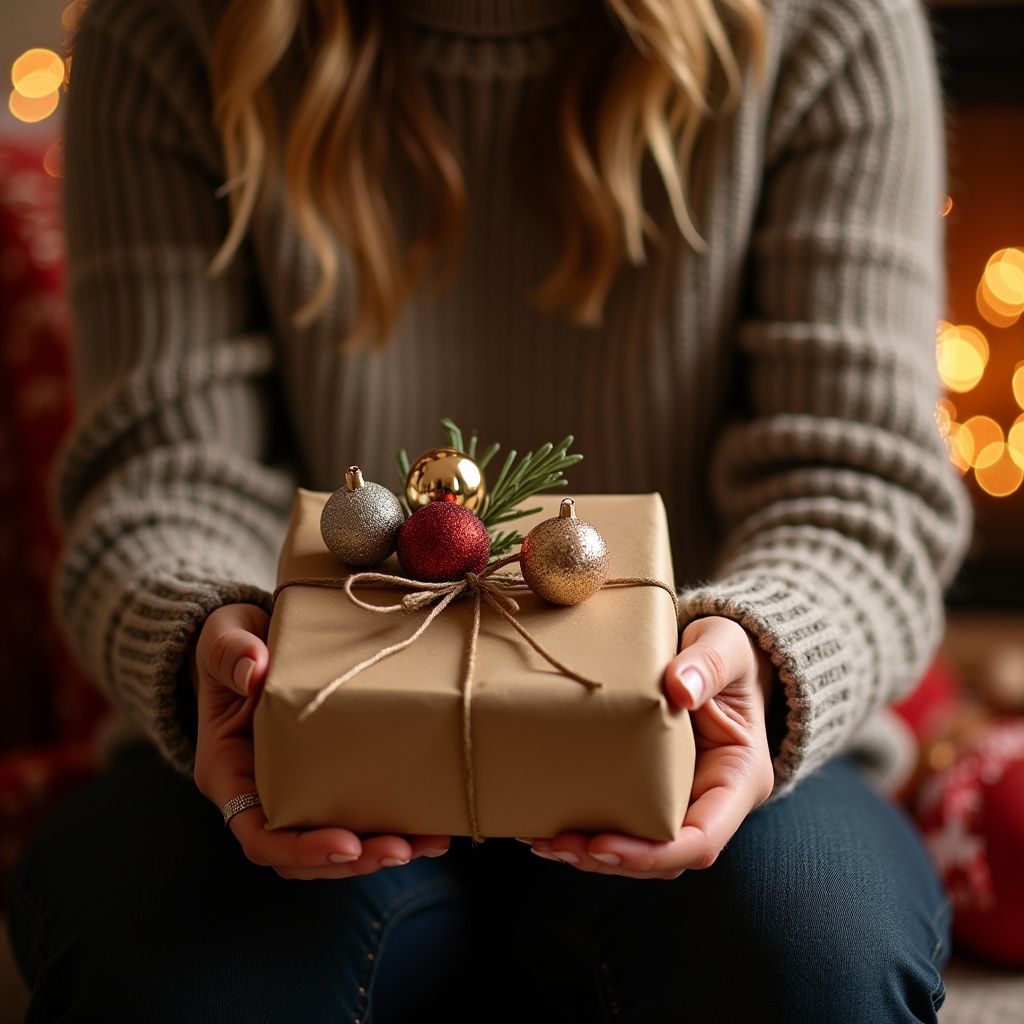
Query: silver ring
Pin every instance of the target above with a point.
(239, 803)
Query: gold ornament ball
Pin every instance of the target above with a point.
(564, 560)
(445, 474)
(360, 521)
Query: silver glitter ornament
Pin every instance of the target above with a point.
(360, 521)
(564, 560)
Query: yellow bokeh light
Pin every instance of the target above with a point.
(998, 470)
(1005, 279)
(985, 433)
(37, 73)
(947, 206)
(996, 312)
(1000, 293)
(31, 110)
(1017, 382)
(961, 352)
(1015, 438)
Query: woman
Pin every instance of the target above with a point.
(704, 239)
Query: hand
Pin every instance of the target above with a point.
(724, 679)
(229, 670)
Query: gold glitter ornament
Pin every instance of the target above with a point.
(360, 521)
(445, 474)
(564, 559)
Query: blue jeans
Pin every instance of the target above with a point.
(134, 904)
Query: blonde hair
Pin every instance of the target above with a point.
(644, 74)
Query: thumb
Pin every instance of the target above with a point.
(231, 649)
(713, 653)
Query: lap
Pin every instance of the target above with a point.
(817, 889)
(823, 906)
(135, 903)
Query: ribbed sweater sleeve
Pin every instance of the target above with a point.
(165, 490)
(843, 517)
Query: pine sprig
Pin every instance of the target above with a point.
(536, 471)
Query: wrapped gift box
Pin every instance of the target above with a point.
(386, 751)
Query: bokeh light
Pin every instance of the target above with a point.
(37, 73)
(37, 76)
(1015, 437)
(961, 352)
(999, 470)
(1017, 383)
(1000, 292)
(985, 434)
(32, 109)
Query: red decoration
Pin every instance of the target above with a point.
(47, 729)
(972, 817)
(443, 541)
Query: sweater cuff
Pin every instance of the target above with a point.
(815, 668)
(152, 640)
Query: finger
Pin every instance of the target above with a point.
(714, 652)
(429, 846)
(231, 648)
(326, 852)
(294, 848)
(610, 854)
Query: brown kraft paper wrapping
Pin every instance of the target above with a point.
(384, 753)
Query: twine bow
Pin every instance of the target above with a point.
(488, 586)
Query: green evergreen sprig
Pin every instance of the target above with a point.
(536, 471)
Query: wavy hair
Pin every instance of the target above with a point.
(637, 85)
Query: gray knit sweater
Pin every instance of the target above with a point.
(777, 389)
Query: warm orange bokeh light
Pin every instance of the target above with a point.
(962, 353)
(37, 73)
(1015, 437)
(37, 76)
(1000, 293)
(985, 433)
(1017, 383)
(31, 110)
(999, 470)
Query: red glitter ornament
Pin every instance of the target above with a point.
(443, 541)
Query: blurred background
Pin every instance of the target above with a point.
(50, 715)
(980, 342)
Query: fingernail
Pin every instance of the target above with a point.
(342, 858)
(435, 852)
(392, 862)
(693, 683)
(243, 674)
(521, 839)
(612, 859)
(542, 853)
(567, 858)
